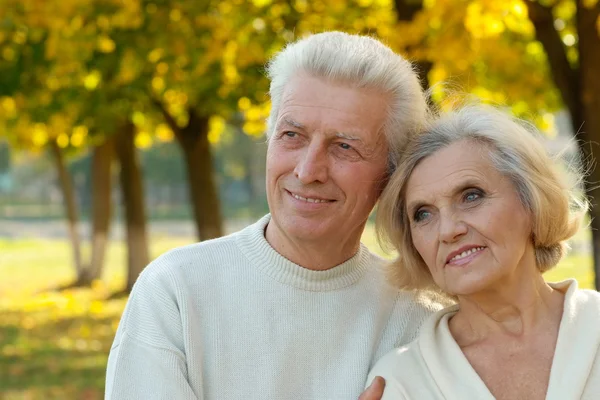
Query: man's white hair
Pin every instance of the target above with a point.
(359, 61)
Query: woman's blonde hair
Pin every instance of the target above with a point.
(554, 205)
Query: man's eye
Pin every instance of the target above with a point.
(345, 146)
(290, 134)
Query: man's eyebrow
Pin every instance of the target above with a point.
(347, 136)
(290, 122)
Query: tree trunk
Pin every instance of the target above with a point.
(66, 185)
(197, 155)
(133, 203)
(406, 10)
(580, 91)
(589, 107)
(203, 193)
(101, 209)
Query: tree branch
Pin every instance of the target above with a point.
(168, 117)
(564, 76)
(406, 9)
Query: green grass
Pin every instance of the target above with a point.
(54, 345)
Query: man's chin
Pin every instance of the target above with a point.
(304, 227)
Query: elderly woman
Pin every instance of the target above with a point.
(479, 211)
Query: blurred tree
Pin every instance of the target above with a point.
(77, 72)
(574, 59)
(4, 158)
(53, 60)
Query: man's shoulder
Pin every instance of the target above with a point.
(192, 259)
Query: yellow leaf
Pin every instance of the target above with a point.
(162, 68)
(106, 44)
(39, 136)
(143, 140)
(216, 126)
(261, 3)
(158, 84)
(8, 54)
(253, 114)
(155, 55)
(78, 137)
(138, 118)
(20, 37)
(569, 39)
(244, 103)
(301, 5)
(85, 331)
(9, 107)
(164, 133)
(254, 128)
(92, 80)
(175, 15)
(62, 140)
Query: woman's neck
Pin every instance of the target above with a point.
(516, 309)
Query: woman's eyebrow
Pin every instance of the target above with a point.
(461, 187)
(468, 183)
(413, 206)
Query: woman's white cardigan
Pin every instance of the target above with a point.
(434, 367)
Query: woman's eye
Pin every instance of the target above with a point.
(420, 215)
(472, 196)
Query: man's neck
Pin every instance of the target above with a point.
(317, 255)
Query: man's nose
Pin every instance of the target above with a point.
(452, 227)
(313, 165)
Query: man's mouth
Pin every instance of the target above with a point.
(310, 199)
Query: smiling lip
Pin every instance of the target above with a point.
(464, 254)
(309, 198)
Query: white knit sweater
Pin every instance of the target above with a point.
(434, 367)
(233, 319)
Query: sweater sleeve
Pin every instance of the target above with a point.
(147, 359)
(387, 368)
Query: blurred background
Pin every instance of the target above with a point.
(129, 127)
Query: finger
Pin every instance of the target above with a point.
(375, 390)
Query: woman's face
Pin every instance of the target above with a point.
(467, 221)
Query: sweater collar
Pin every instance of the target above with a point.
(259, 252)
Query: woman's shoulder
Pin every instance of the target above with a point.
(393, 368)
(397, 360)
(576, 298)
(409, 357)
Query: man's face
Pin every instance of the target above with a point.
(326, 161)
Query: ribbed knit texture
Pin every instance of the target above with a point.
(440, 370)
(233, 319)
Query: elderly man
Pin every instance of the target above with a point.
(293, 306)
